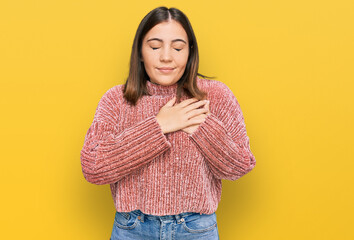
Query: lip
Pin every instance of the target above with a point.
(165, 69)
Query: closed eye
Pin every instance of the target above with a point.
(177, 49)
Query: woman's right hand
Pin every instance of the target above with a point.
(175, 117)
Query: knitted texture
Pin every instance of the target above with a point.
(166, 174)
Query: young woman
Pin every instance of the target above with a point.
(166, 138)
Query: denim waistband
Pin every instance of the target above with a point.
(162, 218)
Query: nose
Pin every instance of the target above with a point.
(165, 55)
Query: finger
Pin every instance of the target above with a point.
(196, 120)
(171, 102)
(187, 102)
(207, 105)
(196, 112)
(193, 106)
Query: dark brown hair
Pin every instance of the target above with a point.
(135, 85)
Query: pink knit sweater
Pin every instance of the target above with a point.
(165, 174)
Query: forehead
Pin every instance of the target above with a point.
(167, 31)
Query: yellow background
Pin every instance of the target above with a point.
(289, 63)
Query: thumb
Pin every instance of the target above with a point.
(171, 102)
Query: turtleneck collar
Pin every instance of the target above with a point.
(157, 89)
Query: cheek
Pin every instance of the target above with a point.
(182, 60)
(148, 61)
(147, 57)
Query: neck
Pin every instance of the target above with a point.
(157, 89)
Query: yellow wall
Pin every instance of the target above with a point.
(289, 63)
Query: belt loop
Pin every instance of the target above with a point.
(179, 218)
(141, 216)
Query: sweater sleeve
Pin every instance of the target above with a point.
(109, 155)
(222, 138)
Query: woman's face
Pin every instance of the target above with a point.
(165, 51)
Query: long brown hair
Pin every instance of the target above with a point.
(135, 85)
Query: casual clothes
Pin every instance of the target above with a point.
(136, 225)
(166, 174)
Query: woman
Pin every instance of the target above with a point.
(166, 138)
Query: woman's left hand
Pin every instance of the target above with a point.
(193, 128)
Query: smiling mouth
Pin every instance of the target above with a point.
(165, 70)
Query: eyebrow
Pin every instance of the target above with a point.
(160, 40)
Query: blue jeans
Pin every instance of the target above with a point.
(136, 225)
